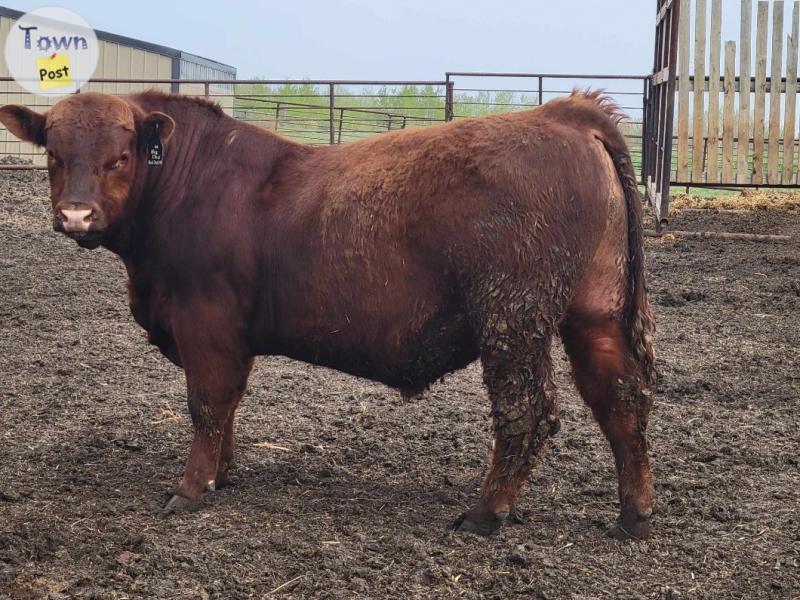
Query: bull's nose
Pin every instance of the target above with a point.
(76, 219)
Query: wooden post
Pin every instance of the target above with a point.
(743, 149)
(762, 21)
(699, 114)
(773, 143)
(791, 97)
(664, 130)
(713, 92)
(727, 112)
(683, 92)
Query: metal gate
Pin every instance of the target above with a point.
(659, 113)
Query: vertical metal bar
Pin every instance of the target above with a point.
(277, 115)
(654, 125)
(541, 91)
(341, 120)
(447, 106)
(330, 113)
(206, 89)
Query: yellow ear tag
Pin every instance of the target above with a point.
(54, 71)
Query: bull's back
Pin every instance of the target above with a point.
(497, 189)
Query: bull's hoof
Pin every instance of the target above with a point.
(179, 504)
(631, 526)
(479, 521)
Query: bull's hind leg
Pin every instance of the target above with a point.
(518, 374)
(611, 382)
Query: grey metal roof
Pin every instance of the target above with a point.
(142, 45)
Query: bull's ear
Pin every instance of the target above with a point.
(24, 123)
(158, 121)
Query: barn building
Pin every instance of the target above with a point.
(120, 57)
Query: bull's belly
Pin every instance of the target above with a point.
(410, 363)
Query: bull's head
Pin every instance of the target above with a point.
(96, 153)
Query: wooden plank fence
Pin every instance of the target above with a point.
(659, 104)
(720, 141)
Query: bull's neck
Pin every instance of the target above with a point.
(161, 187)
(181, 171)
(200, 151)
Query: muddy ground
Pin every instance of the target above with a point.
(345, 490)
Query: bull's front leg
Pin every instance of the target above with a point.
(217, 364)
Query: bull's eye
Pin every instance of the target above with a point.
(116, 164)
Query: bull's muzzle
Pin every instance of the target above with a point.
(74, 220)
(81, 222)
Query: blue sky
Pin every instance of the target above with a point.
(397, 39)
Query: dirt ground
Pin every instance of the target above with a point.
(345, 490)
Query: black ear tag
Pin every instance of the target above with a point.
(155, 150)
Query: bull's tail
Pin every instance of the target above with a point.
(641, 324)
(601, 115)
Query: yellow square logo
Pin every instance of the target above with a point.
(54, 72)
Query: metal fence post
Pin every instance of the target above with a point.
(448, 98)
(330, 112)
(541, 91)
